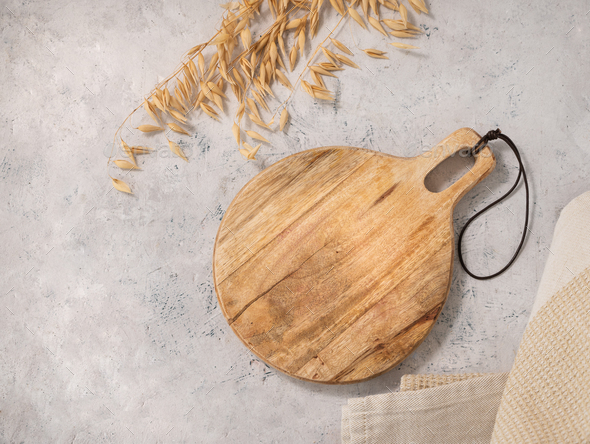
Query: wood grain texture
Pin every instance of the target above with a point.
(333, 264)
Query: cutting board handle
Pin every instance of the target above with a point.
(462, 139)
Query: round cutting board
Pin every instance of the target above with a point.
(333, 264)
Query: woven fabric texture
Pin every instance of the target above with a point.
(460, 413)
(569, 253)
(419, 382)
(547, 396)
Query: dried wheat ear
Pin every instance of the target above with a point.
(250, 67)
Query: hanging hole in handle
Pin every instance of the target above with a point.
(449, 171)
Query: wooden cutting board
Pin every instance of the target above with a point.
(333, 264)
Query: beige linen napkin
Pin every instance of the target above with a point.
(457, 412)
(544, 398)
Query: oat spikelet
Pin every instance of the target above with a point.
(221, 38)
(246, 37)
(121, 186)
(293, 24)
(347, 61)
(341, 46)
(209, 111)
(257, 136)
(218, 102)
(419, 6)
(149, 128)
(317, 92)
(244, 152)
(177, 128)
(301, 42)
(395, 25)
(258, 121)
(293, 57)
(399, 25)
(141, 150)
(216, 89)
(403, 46)
(329, 55)
(307, 88)
(241, 25)
(331, 66)
(402, 34)
(158, 104)
(194, 50)
(206, 91)
(126, 165)
(128, 151)
(314, 22)
(240, 111)
(236, 131)
(239, 79)
(176, 115)
(283, 79)
(323, 95)
(284, 119)
(374, 7)
(177, 150)
(251, 151)
(375, 53)
(273, 53)
(319, 81)
(365, 6)
(193, 71)
(393, 5)
(260, 100)
(377, 25)
(151, 112)
(338, 6)
(321, 70)
(252, 106)
(404, 13)
(357, 17)
(201, 62)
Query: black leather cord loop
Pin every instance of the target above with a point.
(493, 135)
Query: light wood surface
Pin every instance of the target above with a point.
(333, 264)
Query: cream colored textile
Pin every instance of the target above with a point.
(569, 253)
(457, 413)
(418, 382)
(546, 396)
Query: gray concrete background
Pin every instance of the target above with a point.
(109, 325)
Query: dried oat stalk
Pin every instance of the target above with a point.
(233, 62)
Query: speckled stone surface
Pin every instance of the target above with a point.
(109, 324)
